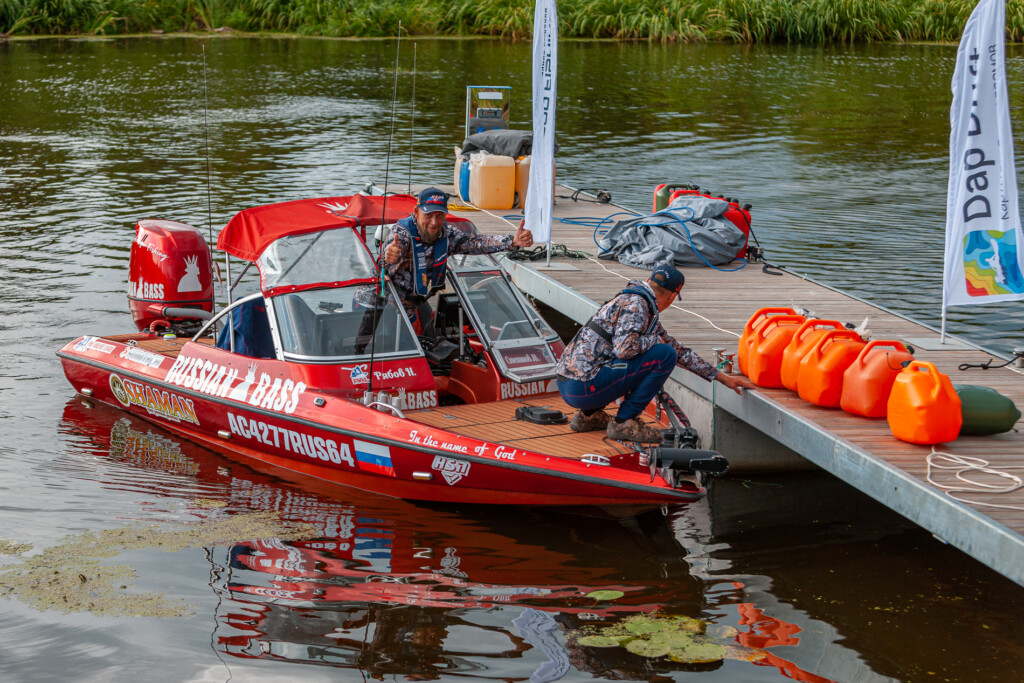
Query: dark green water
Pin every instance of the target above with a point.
(842, 152)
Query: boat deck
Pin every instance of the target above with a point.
(863, 452)
(496, 422)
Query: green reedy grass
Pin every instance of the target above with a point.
(742, 21)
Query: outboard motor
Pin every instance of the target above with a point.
(170, 281)
(670, 462)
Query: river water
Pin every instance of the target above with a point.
(841, 151)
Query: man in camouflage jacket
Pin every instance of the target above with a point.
(417, 253)
(624, 351)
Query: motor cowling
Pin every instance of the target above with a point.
(170, 274)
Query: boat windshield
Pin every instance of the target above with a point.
(319, 257)
(517, 336)
(326, 325)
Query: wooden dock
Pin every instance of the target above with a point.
(860, 451)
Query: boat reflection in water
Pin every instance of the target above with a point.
(391, 587)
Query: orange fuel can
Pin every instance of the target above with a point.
(802, 342)
(868, 382)
(821, 370)
(770, 340)
(747, 338)
(923, 406)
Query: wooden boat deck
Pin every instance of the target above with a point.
(863, 452)
(496, 422)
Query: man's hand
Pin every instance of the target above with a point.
(735, 382)
(394, 251)
(523, 237)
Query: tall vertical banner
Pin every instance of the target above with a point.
(984, 243)
(539, 196)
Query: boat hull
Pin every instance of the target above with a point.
(335, 439)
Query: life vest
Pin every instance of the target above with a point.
(427, 280)
(652, 303)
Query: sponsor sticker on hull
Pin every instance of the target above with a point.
(516, 390)
(159, 402)
(452, 470)
(218, 380)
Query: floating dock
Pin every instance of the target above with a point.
(860, 451)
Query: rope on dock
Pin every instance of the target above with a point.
(962, 466)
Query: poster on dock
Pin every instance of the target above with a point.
(984, 244)
(545, 78)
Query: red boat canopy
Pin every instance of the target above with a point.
(251, 230)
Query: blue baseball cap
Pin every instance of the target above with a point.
(667, 277)
(433, 199)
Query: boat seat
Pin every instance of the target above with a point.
(252, 331)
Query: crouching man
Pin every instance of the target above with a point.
(623, 351)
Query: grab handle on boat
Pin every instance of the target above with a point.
(385, 407)
(595, 459)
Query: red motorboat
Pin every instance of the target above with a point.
(299, 375)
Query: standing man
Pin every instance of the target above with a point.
(416, 256)
(623, 351)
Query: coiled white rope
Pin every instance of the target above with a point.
(962, 467)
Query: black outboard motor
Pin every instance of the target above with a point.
(678, 452)
(671, 462)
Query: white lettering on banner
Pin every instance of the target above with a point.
(515, 390)
(214, 379)
(137, 355)
(451, 470)
(290, 440)
(145, 290)
(155, 401)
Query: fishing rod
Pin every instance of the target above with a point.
(379, 287)
(209, 212)
(412, 122)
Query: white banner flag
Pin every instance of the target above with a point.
(545, 77)
(984, 243)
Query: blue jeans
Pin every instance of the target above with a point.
(638, 380)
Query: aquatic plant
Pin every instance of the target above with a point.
(678, 638)
(71, 577)
(744, 21)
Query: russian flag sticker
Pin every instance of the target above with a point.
(373, 457)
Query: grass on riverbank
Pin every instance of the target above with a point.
(743, 21)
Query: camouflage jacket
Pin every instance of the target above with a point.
(626, 317)
(401, 272)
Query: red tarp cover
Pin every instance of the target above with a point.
(251, 230)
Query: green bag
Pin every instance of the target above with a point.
(985, 410)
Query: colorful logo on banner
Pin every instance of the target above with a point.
(990, 263)
(372, 457)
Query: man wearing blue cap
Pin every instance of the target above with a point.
(623, 351)
(418, 248)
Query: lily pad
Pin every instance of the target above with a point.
(605, 595)
(641, 625)
(697, 652)
(647, 648)
(600, 641)
(672, 639)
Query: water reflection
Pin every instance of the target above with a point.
(395, 588)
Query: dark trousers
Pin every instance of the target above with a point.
(637, 380)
